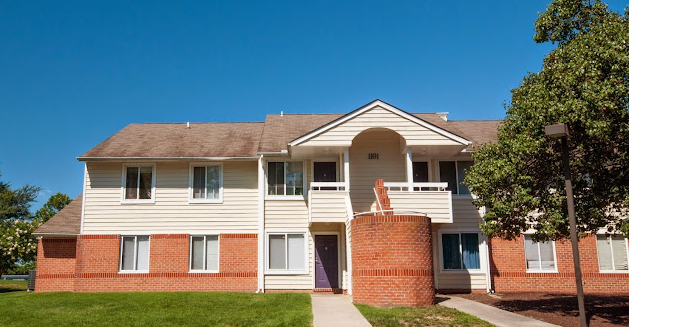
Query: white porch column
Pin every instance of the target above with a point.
(346, 168)
(260, 226)
(409, 168)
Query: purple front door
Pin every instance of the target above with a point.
(326, 248)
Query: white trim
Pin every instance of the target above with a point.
(441, 231)
(120, 258)
(205, 253)
(82, 205)
(611, 251)
(268, 271)
(192, 165)
(540, 266)
(339, 249)
(123, 200)
(285, 197)
(261, 189)
(409, 168)
(387, 107)
(345, 167)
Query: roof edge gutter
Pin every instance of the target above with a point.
(56, 235)
(164, 158)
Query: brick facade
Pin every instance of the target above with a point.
(392, 260)
(508, 272)
(90, 264)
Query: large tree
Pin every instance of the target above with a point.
(584, 83)
(17, 245)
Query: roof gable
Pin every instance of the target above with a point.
(379, 114)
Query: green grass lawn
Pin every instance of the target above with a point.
(434, 315)
(19, 308)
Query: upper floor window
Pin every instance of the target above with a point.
(539, 256)
(612, 252)
(453, 172)
(206, 183)
(285, 178)
(139, 183)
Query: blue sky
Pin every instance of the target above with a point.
(74, 73)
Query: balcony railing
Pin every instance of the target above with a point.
(419, 187)
(328, 186)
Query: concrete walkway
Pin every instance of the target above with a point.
(495, 316)
(331, 310)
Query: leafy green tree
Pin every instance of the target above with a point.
(584, 83)
(16, 225)
(55, 203)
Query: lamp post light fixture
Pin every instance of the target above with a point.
(561, 131)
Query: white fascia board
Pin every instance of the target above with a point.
(116, 159)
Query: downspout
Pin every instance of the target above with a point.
(260, 227)
(489, 290)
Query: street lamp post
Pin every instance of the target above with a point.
(561, 131)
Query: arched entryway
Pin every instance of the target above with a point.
(376, 153)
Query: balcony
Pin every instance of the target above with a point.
(328, 202)
(431, 199)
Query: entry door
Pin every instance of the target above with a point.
(420, 174)
(326, 261)
(324, 172)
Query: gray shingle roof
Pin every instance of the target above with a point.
(65, 222)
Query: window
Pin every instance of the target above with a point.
(539, 256)
(453, 172)
(287, 252)
(206, 183)
(204, 253)
(134, 253)
(138, 183)
(285, 178)
(612, 252)
(460, 251)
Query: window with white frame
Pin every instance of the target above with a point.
(612, 252)
(460, 251)
(206, 183)
(134, 253)
(285, 178)
(539, 256)
(287, 252)
(204, 253)
(453, 172)
(138, 183)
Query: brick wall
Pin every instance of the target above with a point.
(392, 260)
(508, 272)
(90, 264)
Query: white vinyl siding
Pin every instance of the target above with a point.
(204, 253)
(539, 257)
(363, 172)
(328, 206)
(378, 117)
(612, 253)
(172, 212)
(134, 253)
(436, 204)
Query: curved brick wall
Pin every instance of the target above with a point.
(392, 260)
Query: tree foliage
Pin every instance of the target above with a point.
(584, 83)
(55, 203)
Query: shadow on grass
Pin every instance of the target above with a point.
(611, 308)
(7, 286)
